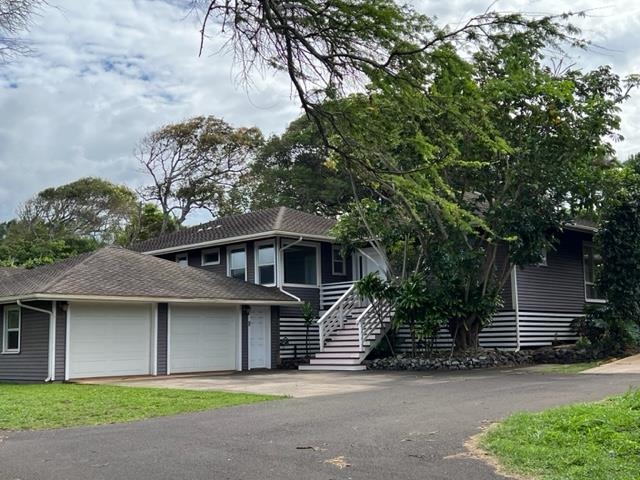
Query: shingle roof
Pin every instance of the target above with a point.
(280, 219)
(117, 272)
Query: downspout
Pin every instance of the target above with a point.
(281, 270)
(52, 336)
(516, 305)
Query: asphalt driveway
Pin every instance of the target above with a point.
(407, 426)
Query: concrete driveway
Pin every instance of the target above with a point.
(292, 383)
(626, 365)
(397, 426)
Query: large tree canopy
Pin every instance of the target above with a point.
(498, 155)
(193, 165)
(294, 170)
(60, 222)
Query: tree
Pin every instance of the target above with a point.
(449, 147)
(144, 224)
(618, 278)
(89, 208)
(61, 222)
(294, 170)
(489, 195)
(15, 16)
(193, 164)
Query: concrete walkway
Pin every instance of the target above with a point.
(626, 365)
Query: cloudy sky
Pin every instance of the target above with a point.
(107, 72)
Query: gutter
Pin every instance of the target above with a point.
(239, 238)
(515, 303)
(280, 250)
(52, 336)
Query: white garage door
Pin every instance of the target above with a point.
(203, 339)
(109, 340)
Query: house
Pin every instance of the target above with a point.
(115, 312)
(226, 295)
(277, 247)
(296, 253)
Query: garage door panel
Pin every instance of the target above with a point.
(203, 339)
(109, 340)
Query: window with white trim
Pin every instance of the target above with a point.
(182, 259)
(210, 256)
(11, 330)
(266, 264)
(300, 265)
(591, 261)
(238, 263)
(338, 264)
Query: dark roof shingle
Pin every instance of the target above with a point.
(278, 219)
(117, 272)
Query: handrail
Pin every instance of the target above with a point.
(334, 318)
(368, 322)
(335, 305)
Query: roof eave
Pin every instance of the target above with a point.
(143, 299)
(580, 228)
(238, 239)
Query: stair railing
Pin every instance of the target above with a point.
(334, 318)
(369, 321)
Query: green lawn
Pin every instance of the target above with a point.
(26, 407)
(586, 441)
(568, 369)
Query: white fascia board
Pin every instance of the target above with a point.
(98, 298)
(239, 239)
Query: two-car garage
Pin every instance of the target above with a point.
(111, 339)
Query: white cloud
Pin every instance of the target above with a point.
(110, 71)
(106, 74)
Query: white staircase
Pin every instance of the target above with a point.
(349, 330)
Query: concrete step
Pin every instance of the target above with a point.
(348, 354)
(341, 348)
(335, 368)
(335, 361)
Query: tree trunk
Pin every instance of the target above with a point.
(412, 331)
(465, 333)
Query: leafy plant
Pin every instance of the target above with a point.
(309, 315)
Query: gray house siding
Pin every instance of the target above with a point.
(311, 295)
(195, 260)
(32, 363)
(558, 287)
(275, 336)
(61, 341)
(292, 327)
(163, 311)
(326, 263)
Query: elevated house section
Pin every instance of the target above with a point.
(296, 253)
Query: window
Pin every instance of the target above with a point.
(182, 259)
(266, 264)
(238, 263)
(300, 265)
(591, 261)
(338, 264)
(11, 330)
(210, 257)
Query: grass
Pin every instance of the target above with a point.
(568, 369)
(595, 441)
(30, 407)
